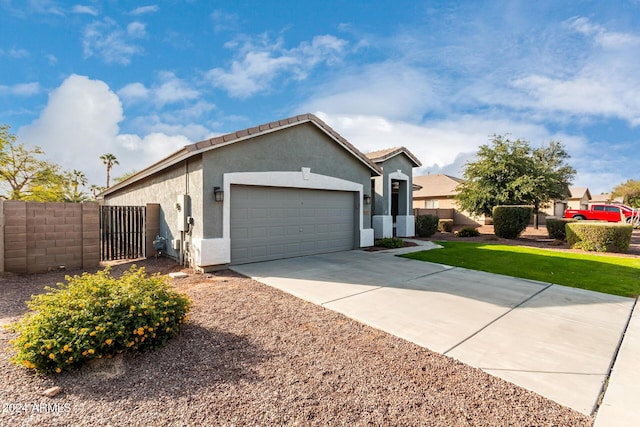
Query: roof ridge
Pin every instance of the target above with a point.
(387, 153)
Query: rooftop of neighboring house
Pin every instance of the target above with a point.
(436, 185)
(578, 193)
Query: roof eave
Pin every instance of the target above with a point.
(232, 138)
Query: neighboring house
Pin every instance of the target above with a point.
(579, 198)
(437, 197)
(606, 198)
(286, 188)
(438, 191)
(392, 204)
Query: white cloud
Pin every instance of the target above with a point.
(142, 10)
(223, 21)
(49, 7)
(391, 90)
(136, 29)
(21, 89)
(81, 122)
(152, 147)
(169, 90)
(257, 65)
(173, 89)
(107, 40)
(51, 59)
(134, 92)
(156, 124)
(435, 143)
(15, 53)
(603, 85)
(81, 9)
(603, 37)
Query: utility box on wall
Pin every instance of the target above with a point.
(182, 206)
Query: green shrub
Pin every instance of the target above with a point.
(390, 243)
(445, 225)
(426, 225)
(95, 316)
(510, 221)
(599, 236)
(556, 227)
(468, 232)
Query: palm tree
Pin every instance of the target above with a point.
(95, 189)
(77, 179)
(109, 160)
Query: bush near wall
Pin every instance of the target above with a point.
(390, 243)
(556, 227)
(95, 316)
(445, 225)
(426, 225)
(510, 221)
(468, 232)
(599, 236)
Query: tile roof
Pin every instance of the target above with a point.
(243, 135)
(436, 185)
(387, 153)
(252, 132)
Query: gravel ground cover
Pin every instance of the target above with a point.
(253, 355)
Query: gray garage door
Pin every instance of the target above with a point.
(272, 223)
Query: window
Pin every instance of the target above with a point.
(431, 204)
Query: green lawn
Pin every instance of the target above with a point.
(602, 273)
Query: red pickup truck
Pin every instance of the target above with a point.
(602, 212)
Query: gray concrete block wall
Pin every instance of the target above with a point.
(39, 237)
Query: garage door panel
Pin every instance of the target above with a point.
(285, 222)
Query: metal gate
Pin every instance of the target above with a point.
(122, 232)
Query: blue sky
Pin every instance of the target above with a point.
(142, 79)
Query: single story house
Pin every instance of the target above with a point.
(436, 196)
(287, 188)
(438, 191)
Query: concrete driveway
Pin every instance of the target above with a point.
(554, 340)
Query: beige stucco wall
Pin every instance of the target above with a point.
(164, 189)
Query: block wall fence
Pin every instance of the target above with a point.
(39, 237)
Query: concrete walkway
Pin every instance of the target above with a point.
(559, 342)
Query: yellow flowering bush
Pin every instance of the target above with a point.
(95, 316)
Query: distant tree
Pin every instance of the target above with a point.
(76, 180)
(95, 189)
(109, 160)
(23, 175)
(125, 176)
(629, 191)
(508, 172)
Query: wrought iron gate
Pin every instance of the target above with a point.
(122, 232)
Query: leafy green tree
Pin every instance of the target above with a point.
(109, 161)
(629, 191)
(509, 172)
(24, 176)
